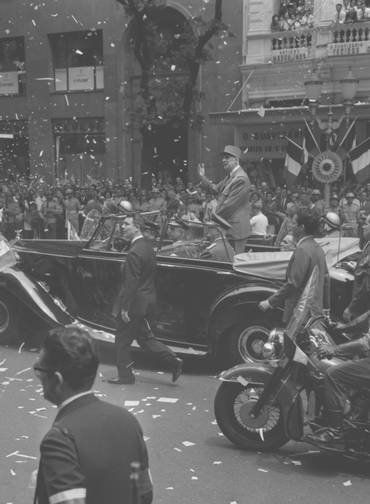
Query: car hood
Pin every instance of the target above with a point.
(273, 265)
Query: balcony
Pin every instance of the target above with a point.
(321, 42)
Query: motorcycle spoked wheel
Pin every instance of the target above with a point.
(233, 403)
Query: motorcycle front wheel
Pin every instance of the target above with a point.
(233, 404)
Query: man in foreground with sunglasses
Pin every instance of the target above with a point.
(87, 454)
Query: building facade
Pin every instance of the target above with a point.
(67, 89)
(280, 60)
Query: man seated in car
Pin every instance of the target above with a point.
(180, 246)
(219, 248)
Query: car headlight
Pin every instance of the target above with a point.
(274, 346)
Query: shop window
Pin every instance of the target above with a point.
(78, 60)
(12, 67)
(80, 136)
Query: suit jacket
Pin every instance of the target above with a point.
(306, 256)
(137, 295)
(91, 446)
(233, 203)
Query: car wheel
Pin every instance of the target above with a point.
(9, 321)
(246, 340)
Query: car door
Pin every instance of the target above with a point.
(186, 288)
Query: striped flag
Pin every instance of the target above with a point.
(71, 232)
(312, 139)
(360, 159)
(293, 161)
(347, 141)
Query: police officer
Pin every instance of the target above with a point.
(360, 302)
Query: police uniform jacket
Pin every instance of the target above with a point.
(305, 257)
(361, 287)
(87, 454)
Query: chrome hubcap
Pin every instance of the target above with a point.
(251, 341)
(267, 419)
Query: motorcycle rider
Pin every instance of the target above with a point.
(305, 257)
(349, 374)
(360, 302)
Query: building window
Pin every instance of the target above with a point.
(80, 135)
(12, 63)
(78, 60)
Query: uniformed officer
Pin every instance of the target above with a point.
(360, 302)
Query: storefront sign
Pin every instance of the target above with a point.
(9, 83)
(349, 48)
(268, 143)
(285, 55)
(81, 78)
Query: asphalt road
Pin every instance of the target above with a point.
(191, 462)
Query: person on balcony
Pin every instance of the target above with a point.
(363, 12)
(351, 14)
(275, 23)
(340, 15)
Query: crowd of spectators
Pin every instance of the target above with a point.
(352, 11)
(32, 208)
(293, 15)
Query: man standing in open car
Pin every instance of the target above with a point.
(305, 257)
(233, 197)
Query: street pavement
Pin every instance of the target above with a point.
(191, 461)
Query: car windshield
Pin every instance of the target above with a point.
(172, 238)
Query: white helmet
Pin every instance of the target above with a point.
(332, 220)
(125, 206)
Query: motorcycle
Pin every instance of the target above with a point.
(261, 406)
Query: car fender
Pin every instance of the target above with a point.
(227, 308)
(34, 296)
(255, 374)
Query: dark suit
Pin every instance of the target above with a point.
(138, 296)
(305, 257)
(233, 205)
(91, 446)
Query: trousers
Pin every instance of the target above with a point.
(351, 374)
(139, 329)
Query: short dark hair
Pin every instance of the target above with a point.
(70, 350)
(309, 219)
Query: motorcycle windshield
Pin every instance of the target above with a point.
(302, 311)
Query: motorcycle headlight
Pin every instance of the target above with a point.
(274, 346)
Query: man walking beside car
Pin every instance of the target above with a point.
(135, 304)
(305, 257)
(233, 197)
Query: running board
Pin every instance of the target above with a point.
(107, 337)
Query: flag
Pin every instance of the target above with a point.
(293, 161)
(71, 232)
(312, 139)
(347, 142)
(360, 159)
(300, 356)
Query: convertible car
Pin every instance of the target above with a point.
(204, 306)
